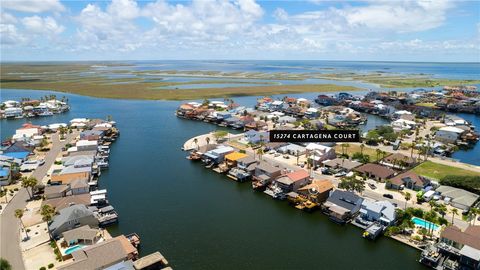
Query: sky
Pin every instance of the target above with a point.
(373, 30)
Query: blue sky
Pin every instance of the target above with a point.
(374, 30)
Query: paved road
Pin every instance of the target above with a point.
(9, 225)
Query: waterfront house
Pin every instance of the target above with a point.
(319, 153)
(375, 171)
(398, 161)
(217, 155)
(256, 125)
(317, 191)
(449, 134)
(86, 145)
(461, 246)
(378, 211)
(70, 173)
(402, 124)
(71, 217)
(292, 181)
(79, 186)
(342, 206)
(277, 105)
(264, 174)
(84, 235)
(457, 197)
(408, 180)
(55, 191)
(244, 170)
(102, 255)
(232, 158)
(245, 163)
(91, 135)
(67, 201)
(325, 100)
(341, 164)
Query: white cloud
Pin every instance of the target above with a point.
(9, 35)
(124, 9)
(7, 18)
(39, 25)
(33, 6)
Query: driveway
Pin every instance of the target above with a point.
(9, 225)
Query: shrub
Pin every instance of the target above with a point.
(16, 189)
(50, 266)
(43, 268)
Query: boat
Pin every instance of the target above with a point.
(45, 114)
(134, 239)
(194, 155)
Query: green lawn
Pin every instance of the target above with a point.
(437, 171)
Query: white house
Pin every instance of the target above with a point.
(402, 124)
(378, 211)
(448, 134)
(319, 153)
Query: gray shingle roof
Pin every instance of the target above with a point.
(68, 214)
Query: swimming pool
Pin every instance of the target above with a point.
(425, 224)
(73, 248)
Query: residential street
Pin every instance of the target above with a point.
(9, 225)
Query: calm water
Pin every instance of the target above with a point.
(199, 219)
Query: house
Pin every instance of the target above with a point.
(265, 173)
(86, 145)
(292, 181)
(398, 161)
(408, 180)
(70, 173)
(462, 245)
(317, 191)
(245, 163)
(18, 150)
(375, 171)
(217, 155)
(71, 217)
(4, 175)
(312, 113)
(341, 164)
(278, 105)
(254, 137)
(286, 119)
(79, 186)
(448, 134)
(82, 235)
(292, 149)
(319, 153)
(458, 197)
(341, 206)
(55, 191)
(102, 255)
(378, 211)
(91, 135)
(325, 100)
(256, 125)
(402, 124)
(232, 158)
(67, 201)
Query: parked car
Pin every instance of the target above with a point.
(340, 174)
(372, 186)
(41, 162)
(386, 195)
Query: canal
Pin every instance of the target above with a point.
(199, 219)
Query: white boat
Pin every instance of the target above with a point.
(45, 114)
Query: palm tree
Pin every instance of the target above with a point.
(362, 146)
(378, 152)
(208, 140)
(473, 213)
(454, 212)
(412, 147)
(5, 265)
(347, 146)
(260, 153)
(29, 182)
(432, 204)
(47, 211)
(19, 215)
(442, 209)
(407, 196)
